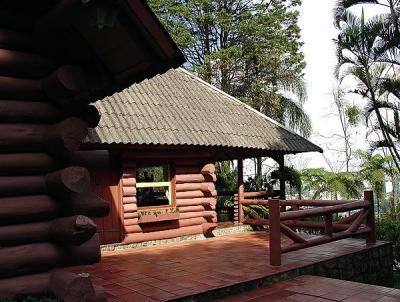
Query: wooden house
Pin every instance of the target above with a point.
(163, 137)
(56, 57)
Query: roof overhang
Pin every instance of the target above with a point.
(117, 42)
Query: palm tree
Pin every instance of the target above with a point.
(362, 55)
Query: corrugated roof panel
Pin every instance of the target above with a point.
(177, 108)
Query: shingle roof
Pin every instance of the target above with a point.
(178, 108)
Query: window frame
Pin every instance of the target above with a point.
(171, 183)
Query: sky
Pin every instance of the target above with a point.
(318, 33)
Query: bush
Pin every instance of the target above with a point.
(388, 229)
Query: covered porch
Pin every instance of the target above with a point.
(218, 267)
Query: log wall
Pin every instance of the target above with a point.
(193, 194)
(43, 198)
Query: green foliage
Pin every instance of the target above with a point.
(388, 229)
(319, 181)
(226, 177)
(249, 49)
(368, 51)
(353, 114)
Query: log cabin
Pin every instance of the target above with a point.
(162, 138)
(56, 57)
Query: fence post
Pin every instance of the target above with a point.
(371, 237)
(275, 251)
(240, 190)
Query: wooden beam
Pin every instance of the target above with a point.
(288, 232)
(358, 221)
(240, 190)
(370, 222)
(275, 250)
(292, 215)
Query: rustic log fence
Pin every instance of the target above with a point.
(360, 222)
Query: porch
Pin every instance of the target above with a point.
(221, 266)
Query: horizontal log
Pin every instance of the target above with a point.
(322, 240)
(192, 221)
(272, 193)
(130, 215)
(195, 202)
(202, 169)
(129, 191)
(73, 230)
(166, 234)
(314, 203)
(24, 286)
(195, 194)
(258, 202)
(16, 41)
(190, 178)
(192, 209)
(129, 200)
(205, 214)
(21, 89)
(256, 221)
(40, 257)
(25, 209)
(64, 83)
(26, 163)
(130, 207)
(292, 215)
(205, 186)
(67, 286)
(28, 112)
(131, 229)
(94, 159)
(22, 64)
(131, 221)
(66, 135)
(66, 230)
(71, 179)
(129, 182)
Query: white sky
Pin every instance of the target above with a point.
(318, 32)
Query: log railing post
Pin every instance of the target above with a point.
(275, 250)
(240, 190)
(371, 237)
(329, 225)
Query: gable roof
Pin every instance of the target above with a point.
(178, 108)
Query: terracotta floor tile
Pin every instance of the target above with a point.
(199, 266)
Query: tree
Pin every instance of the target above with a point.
(368, 52)
(249, 49)
(320, 182)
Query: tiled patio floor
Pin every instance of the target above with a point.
(171, 271)
(318, 289)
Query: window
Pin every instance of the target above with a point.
(153, 186)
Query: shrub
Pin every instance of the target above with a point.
(388, 229)
(31, 299)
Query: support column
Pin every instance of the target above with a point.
(282, 187)
(240, 190)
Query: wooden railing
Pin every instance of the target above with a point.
(362, 221)
(240, 207)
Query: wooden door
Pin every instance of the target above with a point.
(107, 185)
